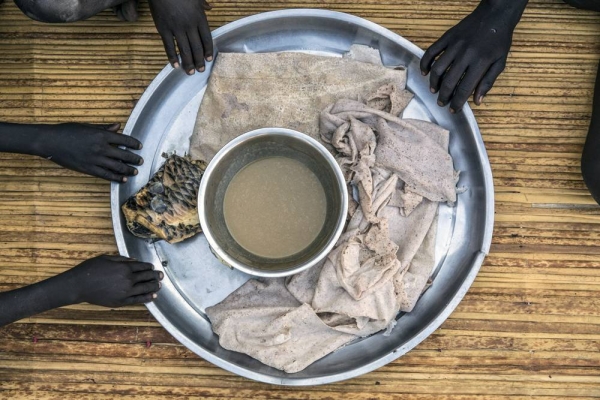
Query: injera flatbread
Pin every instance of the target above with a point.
(283, 90)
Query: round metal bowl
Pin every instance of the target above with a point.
(240, 152)
(163, 120)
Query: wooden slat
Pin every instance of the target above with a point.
(529, 327)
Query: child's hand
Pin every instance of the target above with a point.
(184, 20)
(113, 281)
(91, 149)
(470, 56)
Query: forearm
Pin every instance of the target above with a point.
(22, 138)
(34, 299)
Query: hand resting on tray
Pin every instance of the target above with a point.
(90, 149)
(113, 281)
(185, 22)
(470, 56)
(109, 281)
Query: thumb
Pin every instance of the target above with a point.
(111, 127)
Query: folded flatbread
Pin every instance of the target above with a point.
(263, 320)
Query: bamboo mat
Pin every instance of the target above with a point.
(529, 326)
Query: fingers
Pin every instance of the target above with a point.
(114, 127)
(106, 174)
(439, 69)
(465, 88)
(137, 266)
(206, 38)
(197, 49)
(117, 167)
(145, 288)
(144, 298)
(124, 140)
(450, 82)
(112, 164)
(205, 4)
(195, 46)
(147, 276)
(430, 55)
(107, 127)
(187, 61)
(169, 44)
(488, 80)
(124, 156)
(133, 264)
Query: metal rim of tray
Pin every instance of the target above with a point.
(444, 312)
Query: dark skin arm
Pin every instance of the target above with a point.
(184, 21)
(109, 281)
(469, 57)
(90, 149)
(178, 21)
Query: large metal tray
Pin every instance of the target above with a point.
(164, 119)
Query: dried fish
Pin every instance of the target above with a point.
(166, 207)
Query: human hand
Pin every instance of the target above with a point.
(113, 281)
(470, 56)
(184, 20)
(90, 149)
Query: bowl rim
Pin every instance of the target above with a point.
(216, 248)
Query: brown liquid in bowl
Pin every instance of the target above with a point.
(275, 207)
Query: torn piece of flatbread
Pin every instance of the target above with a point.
(411, 284)
(359, 287)
(364, 54)
(391, 99)
(403, 147)
(266, 322)
(414, 151)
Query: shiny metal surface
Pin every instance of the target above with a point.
(245, 149)
(194, 279)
